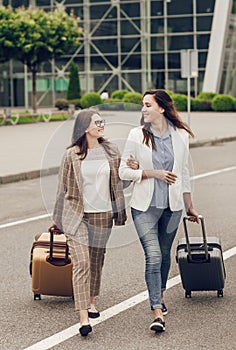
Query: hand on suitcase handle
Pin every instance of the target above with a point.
(193, 216)
(55, 230)
(204, 236)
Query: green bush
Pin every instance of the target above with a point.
(234, 104)
(170, 93)
(90, 99)
(200, 105)
(112, 104)
(129, 106)
(180, 101)
(119, 94)
(133, 97)
(61, 104)
(222, 103)
(206, 95)
(75, 102)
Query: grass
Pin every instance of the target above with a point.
(33, 119)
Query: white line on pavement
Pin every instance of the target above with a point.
(72, 331)
(196, 177)
(24, 221)
(34, 218)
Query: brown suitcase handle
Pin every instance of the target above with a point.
(185, 219)
(50, 258)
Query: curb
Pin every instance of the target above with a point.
(29, 175)
(211, 142)
(34, 174)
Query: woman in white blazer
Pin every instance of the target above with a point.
(161, 189)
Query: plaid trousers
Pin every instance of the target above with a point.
(87, 251)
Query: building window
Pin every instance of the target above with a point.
(206, 6)
(176, 7)
(204, 23)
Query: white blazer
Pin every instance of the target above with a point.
(143, 189)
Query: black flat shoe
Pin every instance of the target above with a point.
(164, 309)
(93, 314)
(157, 325)
(85, 330)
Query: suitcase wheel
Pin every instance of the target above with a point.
(37, 296)
(188, 294)
(220, 293)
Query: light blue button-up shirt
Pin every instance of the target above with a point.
(162, 158)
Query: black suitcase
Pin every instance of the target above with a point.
(200, 262)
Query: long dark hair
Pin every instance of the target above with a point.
(82, 122)
(165, 101)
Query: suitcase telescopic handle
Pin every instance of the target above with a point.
(185, 219)
(67, 260)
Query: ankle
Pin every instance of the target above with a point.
(92, 308)
(157, 313)
(84, 319)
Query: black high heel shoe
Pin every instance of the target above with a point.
(93, 314)
(85, 330)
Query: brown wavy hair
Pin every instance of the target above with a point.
(82, 122)
(170, 113)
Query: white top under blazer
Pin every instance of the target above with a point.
(143, 189)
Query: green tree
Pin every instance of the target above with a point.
(35, 36)
(74, 90)
(7, 47)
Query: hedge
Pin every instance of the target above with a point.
(133, 97)
(112, 104)
(223, 103)
(200, 105)
(180, 101)
(119, 94)
(90, 99)
(206, 95)
(61, 103)
(205, 101)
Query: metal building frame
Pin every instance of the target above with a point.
(88, 42)
(143, 71)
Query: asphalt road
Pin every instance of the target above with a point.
(202, 322)
(30, 147)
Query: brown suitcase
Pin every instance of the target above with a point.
(51, 266)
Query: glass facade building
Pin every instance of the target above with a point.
(133, 45)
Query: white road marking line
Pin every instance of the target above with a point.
(229, 253)
(216, 172)
(24, 221)
(72, 331)
(34, 218)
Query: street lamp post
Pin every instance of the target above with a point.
(189, 69)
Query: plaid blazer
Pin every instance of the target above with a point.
(69, 210)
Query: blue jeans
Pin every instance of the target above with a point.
(156, 229)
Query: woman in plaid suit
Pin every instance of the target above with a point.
(89, 198)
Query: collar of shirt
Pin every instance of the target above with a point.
(165, 136)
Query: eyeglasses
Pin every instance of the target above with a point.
(100, 123)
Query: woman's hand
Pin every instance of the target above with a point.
(193, 215)
(132, 163)
(55, 230)
(166, 176)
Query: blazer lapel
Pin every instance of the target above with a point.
(76, 162)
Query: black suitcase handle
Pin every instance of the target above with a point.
(67, 260)
(185, 219)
